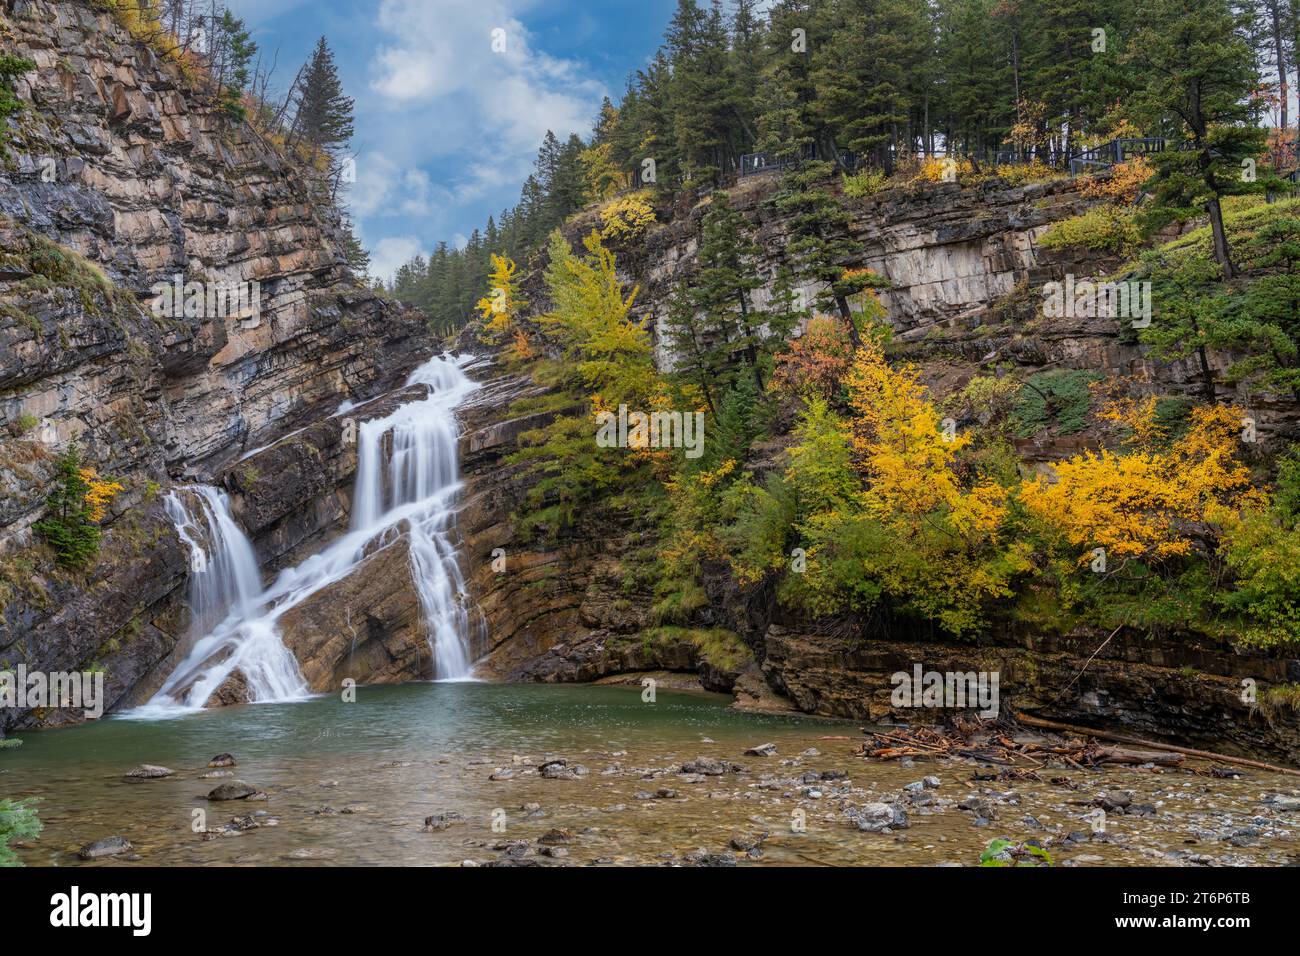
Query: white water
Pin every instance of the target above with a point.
(407, 480)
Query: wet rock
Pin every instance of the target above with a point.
(666, 793)
(108, 846)
(877, 817)
(931, 782)
(222, 760)
(746, 842)
(703, 858)
(978, 805)
(762, 750)
(554, 852)
(214, 774)
(1286, 803)
(234, 790)
(502, 775)
(441, 821)
(515, 849)
(708, 767)
(557, 769)
(555, 837)
(148, 771)
(1114, 800)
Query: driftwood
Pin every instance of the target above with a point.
(1030, 721)
(1119, 755)
(992, 742)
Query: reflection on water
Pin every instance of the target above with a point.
(352, 783)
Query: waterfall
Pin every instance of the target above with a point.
(224, 578)
(407, 480)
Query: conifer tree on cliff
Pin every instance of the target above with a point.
(727, 279)
(323, 115)
(1200, 71)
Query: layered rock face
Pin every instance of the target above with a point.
(120, 177)
(966, 274)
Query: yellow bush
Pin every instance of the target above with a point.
(1123, 183)
(626, 217)
(1147, 502)
(938, 169)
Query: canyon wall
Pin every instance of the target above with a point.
(120, 175)
(965, 272)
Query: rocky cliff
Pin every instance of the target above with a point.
(965, 271)
(120, 175)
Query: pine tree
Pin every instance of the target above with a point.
(231, 55)
(863, 70)
(787, 128)
(323, 115)
(727, 277)
(1200, 72)
(819, 245)
(354, 253)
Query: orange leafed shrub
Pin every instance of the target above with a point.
(816, 362)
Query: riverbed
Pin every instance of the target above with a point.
(479, 773)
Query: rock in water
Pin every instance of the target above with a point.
(441, 821)
(762, 750)
(109, 846)
(875, 817)
(148, 771)
(222, 760)
(706, 766)
(234, 790)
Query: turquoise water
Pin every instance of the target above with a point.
(352, 784)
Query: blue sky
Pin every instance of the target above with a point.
(446, 128)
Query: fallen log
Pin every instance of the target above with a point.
(1157, 757)
(1031, 721)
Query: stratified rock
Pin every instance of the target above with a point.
(762, 750)
(222, 760)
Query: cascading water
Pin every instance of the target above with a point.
(407, 479)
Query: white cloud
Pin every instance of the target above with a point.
(387, 255)
(447, 94)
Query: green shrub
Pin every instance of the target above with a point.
(10, 105)
(68, 527)
(1060, 397)
(1105, 228)
(866, 183)
(18, 821)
